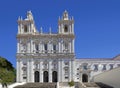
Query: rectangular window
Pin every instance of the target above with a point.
(84, 67)
(37, 48)
(45, 48)
(24, 77)
(36, 66)
(95, 67)
(118, 65)
(24, 71)
(111, 66)
(66, 46)
(54, 48)
(104, 66)
(66, 77)
(66, 71)
(66, 63)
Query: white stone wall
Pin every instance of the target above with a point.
(111, 77)
(37, 49)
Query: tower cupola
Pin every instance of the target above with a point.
(66, 24)
(65, 15)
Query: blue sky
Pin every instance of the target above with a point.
(97, 24)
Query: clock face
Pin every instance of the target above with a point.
(65, 28)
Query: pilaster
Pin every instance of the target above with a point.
(62, 72)
(69, 70)
(28, 70)
(59, 71)
(41, 72)
(32, 71)
(18, 71)
(50, 72)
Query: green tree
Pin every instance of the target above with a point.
(71, 83)
(7, 71)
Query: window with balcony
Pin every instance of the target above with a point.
(36, 66)
(66, 71)
(24, 71)
(66, 62)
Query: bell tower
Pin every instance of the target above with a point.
(66, 24)
(26, 26)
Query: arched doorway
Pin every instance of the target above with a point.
(45, 76)
(54, 76)
(36, 76)
(84, 78)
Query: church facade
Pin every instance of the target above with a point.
(49, 57)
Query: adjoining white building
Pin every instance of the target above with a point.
(51, 57)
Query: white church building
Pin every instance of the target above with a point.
(49, 57)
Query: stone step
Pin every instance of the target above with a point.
(38, 85)
(102, 85)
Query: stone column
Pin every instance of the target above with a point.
(22, 28)
(73, 70)
(32, 71)
(40, 47)
(32, 48)
(70, 70)
(70, 47)
(59, 46)
(59, 29)
(41, 72)
(59, 71)
(73, 28)
(28, 69)
(62, 46)
(28, 47)
(18, 70)
(49, 47)
(18, 47)
(62, 72)
(73, 46)
(50, 72)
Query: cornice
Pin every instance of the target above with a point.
(46, 36)
(45, 56)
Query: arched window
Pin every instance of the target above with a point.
(37, 48)
(36, 76)
(66, 46)
(84, 78)
(45, 47)
(65, 28)
(45, 76)
(25, 28)
(54, 48)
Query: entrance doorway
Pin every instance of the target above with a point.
(45, 76)
(84, 78)
(36, 76)
(54, 76)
